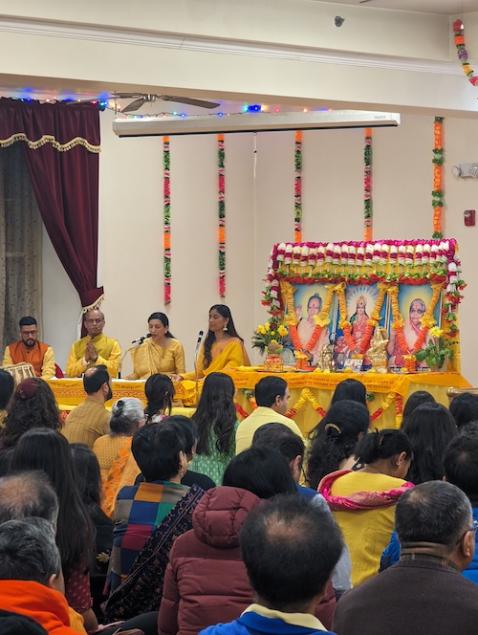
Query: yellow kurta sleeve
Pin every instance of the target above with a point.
(112, 364)
(48, 367)
(179, 359)
(7, 358)
(75, 366)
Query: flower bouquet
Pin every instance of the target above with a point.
(437, 351)
(270, 338)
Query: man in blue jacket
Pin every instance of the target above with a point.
(289, 548)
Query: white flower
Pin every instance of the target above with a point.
(360, 251)
(419, 249)
(453, 279)
(426, 248)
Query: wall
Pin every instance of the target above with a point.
(259, 213)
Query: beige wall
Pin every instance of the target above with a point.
(259, 213)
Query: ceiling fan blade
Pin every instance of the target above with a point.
(134, 105)
(190, 101)
(126, 95)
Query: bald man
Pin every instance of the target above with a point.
(96, 349)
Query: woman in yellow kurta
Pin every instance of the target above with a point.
(363, 501)
(223, 347)
(160, 353)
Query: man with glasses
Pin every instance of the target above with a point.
(28, 349)
(425, 591)
(95, 349)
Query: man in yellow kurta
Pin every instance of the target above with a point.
(95, 349)
(29, 350)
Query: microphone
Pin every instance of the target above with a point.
(199, 340)
(141, 339)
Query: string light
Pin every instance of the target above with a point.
(254, 108)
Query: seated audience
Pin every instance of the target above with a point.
(159, 450)
(363, 501)
(15, 624)
(414, 400)
(350, 389)
(88, 479)
(7, 386)
(127, 416)
(335, 439)
(216, 423)
(159, 391)
(90, 420)
(186, 428)
(430, 428)
(289, 548)
(33, 406)
(29, 350)
(278, 437)
(424, 592)
(464, 408)
(48, 450)
(272, 397)
(31, 580)
(95, 349)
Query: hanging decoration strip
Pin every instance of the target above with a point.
(298, 188)
(437, 193)
(367, 186)
(221, 232)
(459, 32)
(166, 222)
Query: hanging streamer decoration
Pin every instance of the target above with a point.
(221, 232)
(437, 193)
(367, 186)
(459, 33)
(166, 222)
(298, 188)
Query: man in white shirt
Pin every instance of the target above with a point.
(272, 396)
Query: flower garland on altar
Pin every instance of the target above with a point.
(362, 346)
(321, 321)
(437, 193)
(298, 187)
(221, 231)
(166, 222)
(367, 186)
(459, 33)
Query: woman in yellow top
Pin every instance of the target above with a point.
(160, 353)
(223, 347)
(363, 500)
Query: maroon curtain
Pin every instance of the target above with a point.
(61, 147)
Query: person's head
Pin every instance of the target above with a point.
(262, 471)
(216, 414)
(272, 392)
(416, 399)
(336, 436)
(159, 451)
(28, 552)
(220, 320)
(439, 514)
(158, 325)
(461, 464)
(430, 428)
(49, 451)
(416, 311)
(464, 408)
(352, 389)
(159, 391)
(33, 406)
(96, 382)
(281, 438)
(290, 549)
(7, 386)
(87, 473)
(28, 330)
(27, 494)
(187, 430)
(127, 415)
(389, 451)
(314, 305)
(94, 322)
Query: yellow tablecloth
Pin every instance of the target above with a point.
(311, 392)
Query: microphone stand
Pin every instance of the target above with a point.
(128, 350)
(196, 372)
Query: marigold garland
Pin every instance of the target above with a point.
(459, 33)
(367, 186)
(166, 222)
(298, 187)
(221, 231)
(437, 193)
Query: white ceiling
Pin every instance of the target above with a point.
(447, 7)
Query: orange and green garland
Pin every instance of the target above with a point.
(437, 193)
(221, 205)
(459, 34)
(298, 187)
(166, 222)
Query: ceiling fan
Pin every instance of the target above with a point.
(139, 99)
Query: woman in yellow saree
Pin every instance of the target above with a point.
(223, 347)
